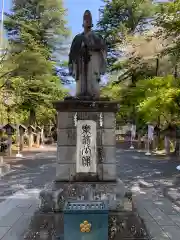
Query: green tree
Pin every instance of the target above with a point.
(43, 19)
(168, 21)
(120, 18)
(152, 98)
(143, 58)
(145, 62)
(35, 30)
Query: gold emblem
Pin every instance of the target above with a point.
(85, 226)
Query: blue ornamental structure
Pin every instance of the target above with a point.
(86, 220)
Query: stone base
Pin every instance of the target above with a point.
(54, 196)
(4, 169)
(85, 177)
(123, 225)
(67, 171)
(100, 111)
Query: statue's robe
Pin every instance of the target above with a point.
(96, 66)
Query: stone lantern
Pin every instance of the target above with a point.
(10, 130)
(31, 132)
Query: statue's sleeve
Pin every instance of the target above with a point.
(71, 53)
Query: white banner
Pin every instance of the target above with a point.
(150, 132)
(42, 135)
(133, 131)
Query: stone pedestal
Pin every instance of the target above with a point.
(88, 182)
(103, 114)
(54, 196)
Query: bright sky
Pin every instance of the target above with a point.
(7, 4)
(75, 9)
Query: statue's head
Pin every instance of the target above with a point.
(87, 19)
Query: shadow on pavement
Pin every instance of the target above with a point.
(27, 174)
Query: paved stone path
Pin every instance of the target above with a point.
(19, 193)
(146, 176)
(151, 179)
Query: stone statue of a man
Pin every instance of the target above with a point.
(87, 59)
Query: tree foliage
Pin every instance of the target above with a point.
(120, 18)
(147, 80)
(35, 30)
(168, 19)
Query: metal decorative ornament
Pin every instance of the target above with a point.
(101, 119)
(75, 119)
(85, 227)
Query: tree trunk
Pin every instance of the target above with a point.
(133, 118)
(158, 132)
(157, 66)
(133, 80)
(32, 117)
(176, 150)
(176, 71)
(158, 120)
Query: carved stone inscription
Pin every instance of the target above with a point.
(86, 146)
